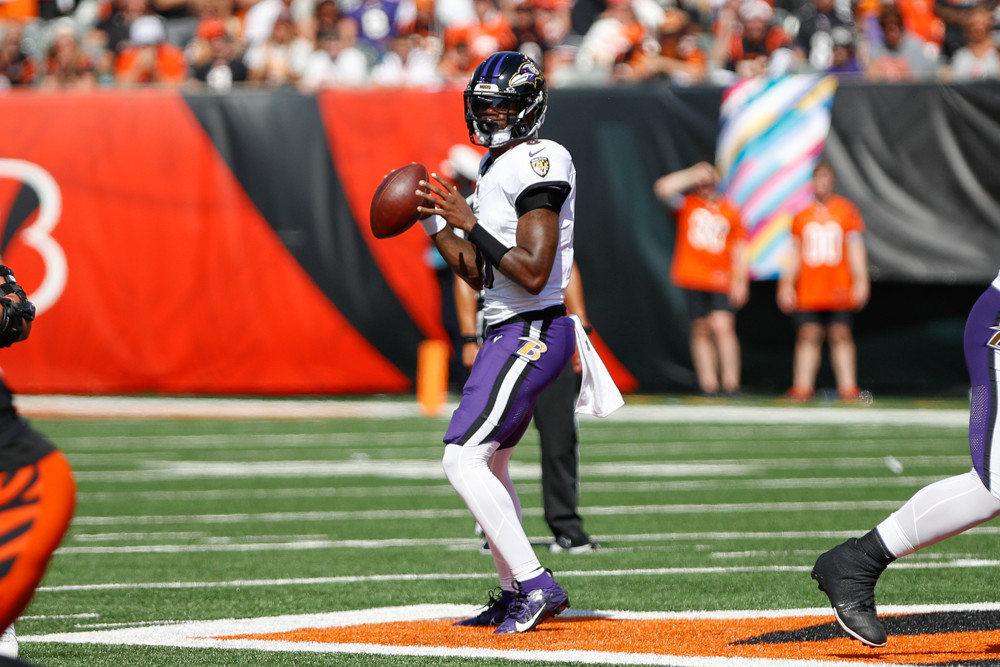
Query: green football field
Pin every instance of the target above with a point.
(700, 506)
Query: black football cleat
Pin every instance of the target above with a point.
(848, 576)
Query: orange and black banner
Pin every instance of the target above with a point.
(219, 244)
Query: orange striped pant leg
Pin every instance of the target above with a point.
(36, 506)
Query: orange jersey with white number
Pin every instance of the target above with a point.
(823, 231)
(707, 229)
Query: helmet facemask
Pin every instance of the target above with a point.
(505, 123)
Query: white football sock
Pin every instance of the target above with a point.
(492, 503)
(937, 512)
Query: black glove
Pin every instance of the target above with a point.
(15, 314)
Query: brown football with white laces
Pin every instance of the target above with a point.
(395, 202)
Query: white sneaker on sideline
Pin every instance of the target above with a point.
(8, 642)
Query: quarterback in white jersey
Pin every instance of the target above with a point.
(526, 174)
(516, 243)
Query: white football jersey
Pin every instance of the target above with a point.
(526, 165)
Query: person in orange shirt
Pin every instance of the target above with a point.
(149, 57)
(710, 265)
(826, 282)
(679, 58)
(752, 37)
(492, 31)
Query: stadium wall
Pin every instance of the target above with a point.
(202, 244)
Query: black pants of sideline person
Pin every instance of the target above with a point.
(556, 423)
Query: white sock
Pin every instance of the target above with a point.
(494, 506)
(937, 512)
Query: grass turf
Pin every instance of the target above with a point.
(173, 515)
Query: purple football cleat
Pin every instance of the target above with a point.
(495, 612)
(532, 606)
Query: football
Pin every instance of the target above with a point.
(394, 204)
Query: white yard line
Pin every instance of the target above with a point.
(436, 514)
(964, 563)
(199, 542)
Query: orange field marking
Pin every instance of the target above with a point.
(679, 637)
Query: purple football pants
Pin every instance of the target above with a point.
(982, 356)
(516, 362)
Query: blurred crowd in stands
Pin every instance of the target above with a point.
(313, 44)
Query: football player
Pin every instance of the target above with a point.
(37, 491)
(848, 572)
(517, 247)
(555, 421)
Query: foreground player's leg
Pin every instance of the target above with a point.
(36, 505)
(8, 642)
(848, 573)
(937, 512)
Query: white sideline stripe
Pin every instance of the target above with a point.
(962, 563)
(199, 634)
(132, 407)
(114, 445)
(795, 414)
(366, 515)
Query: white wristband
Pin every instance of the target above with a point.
(433, 224)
